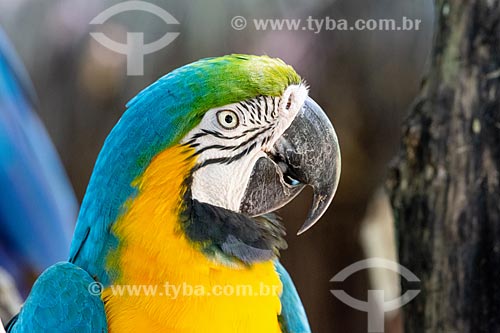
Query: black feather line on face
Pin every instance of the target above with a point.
(225, 160)
(233, 148)
(258, 112)
(219, 232)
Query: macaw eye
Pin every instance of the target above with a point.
(227, 119)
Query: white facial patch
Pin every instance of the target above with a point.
(230, 139)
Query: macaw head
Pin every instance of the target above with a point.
(259, 149)
(256, 136)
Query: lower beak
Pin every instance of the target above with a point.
(307, 154)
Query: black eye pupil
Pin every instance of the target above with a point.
(228, 119)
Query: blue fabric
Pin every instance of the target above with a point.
(293, 317)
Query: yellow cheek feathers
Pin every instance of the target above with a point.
(153, 251)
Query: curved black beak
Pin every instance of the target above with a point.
(307, 153)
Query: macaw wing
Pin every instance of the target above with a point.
(293, 318)
(62, 300)
(37, 205)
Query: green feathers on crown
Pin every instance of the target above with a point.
(182, 97)
(240, 77)
(214, 82)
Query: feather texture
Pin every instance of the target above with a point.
(60, 302)
(293, 318)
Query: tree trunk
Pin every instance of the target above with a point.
(444, 185)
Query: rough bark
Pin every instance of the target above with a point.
(444, 185)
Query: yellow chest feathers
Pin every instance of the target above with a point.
(164, 284)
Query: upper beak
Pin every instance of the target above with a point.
(307, 153)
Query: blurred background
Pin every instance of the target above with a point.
(365, 80)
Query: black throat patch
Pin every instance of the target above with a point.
(234, 236)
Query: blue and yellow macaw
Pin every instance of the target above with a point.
(183, 194)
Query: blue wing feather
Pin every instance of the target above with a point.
(37, 205)
(60, 302)
(293, 318)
